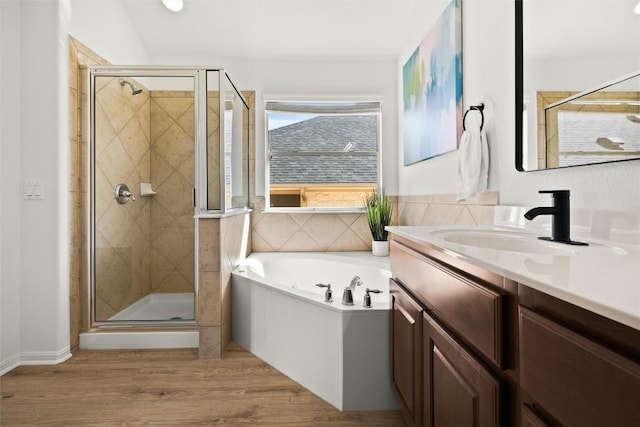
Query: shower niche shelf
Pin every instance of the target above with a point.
(146, 190)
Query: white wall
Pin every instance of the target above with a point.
(34, 273)
(489, 77)
(103, 26)
(10, 223)
(35, 142)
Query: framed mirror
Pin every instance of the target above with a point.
(567, 53)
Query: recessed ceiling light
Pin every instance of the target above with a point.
(636, 9)
(173, 5)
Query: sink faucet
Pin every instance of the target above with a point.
(560, 226)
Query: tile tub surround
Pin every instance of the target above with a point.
(223, 242)
(310, 232)
(307, 232)
(602, 278)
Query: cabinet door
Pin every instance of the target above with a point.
(458, 390)
(530, 419)
(467, 307)
(576, 380)
(406, 345)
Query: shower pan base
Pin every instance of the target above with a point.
(172, 309)
(169, 306)
(123, 339)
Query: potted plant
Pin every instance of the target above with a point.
(379, 210)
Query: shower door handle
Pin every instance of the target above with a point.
(123, 194)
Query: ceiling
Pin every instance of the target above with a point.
(277, 28)
(361, 28)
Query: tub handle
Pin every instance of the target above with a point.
(328, 294)
(367, 297)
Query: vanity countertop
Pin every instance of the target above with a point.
(603, 278)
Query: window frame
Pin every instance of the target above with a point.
(321, 100)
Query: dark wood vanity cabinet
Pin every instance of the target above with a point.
(406, 339)
(576, 368)
(458, 389)
(471, 348)
(448, 333)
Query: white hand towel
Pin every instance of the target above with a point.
(473, 159)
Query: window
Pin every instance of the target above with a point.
(322, 155)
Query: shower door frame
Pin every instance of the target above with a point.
(199, 75)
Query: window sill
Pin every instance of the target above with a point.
(352, 210)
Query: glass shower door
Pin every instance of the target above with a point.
(143, 179)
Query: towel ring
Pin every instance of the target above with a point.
(479, 108)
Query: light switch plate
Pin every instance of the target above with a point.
(34, 190)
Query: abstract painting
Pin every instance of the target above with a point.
(432, 90)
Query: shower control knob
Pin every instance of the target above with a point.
(123, 194)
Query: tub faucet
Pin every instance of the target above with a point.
(356, 281)
(347, 296)
(560, 226)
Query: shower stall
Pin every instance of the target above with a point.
(164, 145)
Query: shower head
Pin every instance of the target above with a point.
(134, 90)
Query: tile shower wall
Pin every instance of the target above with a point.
(79, 55)
(213, 149)
(156, 253)
(172, 177)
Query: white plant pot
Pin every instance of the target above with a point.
(380, 247)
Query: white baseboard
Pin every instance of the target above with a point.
(8, 365)
(36, 358)
(45, 357)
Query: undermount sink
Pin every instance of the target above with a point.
(504, 241)
(514, 241)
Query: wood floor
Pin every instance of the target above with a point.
(167, 388)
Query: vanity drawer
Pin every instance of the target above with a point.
(576, 380)
(472, 310)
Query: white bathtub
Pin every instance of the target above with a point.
(176, 307)
(341, 353)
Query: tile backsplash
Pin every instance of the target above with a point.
(444, 209)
